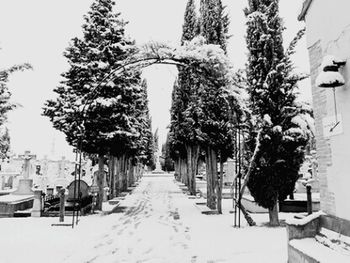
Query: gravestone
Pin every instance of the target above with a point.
(230, 172)
(84, 189)
(58, 188)
(49, 192)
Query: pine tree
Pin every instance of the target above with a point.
(280, 122)
(91, 112)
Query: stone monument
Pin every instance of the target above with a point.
(25, 184)
(158, 165)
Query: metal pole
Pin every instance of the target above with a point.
(79, 192)
(335, 106)
(239, 174)
(309, 199)
(335, 112)
(75, 186)
(62, 199)
(235, 182)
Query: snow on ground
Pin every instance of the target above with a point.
(156, 223)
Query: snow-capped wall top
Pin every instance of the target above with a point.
(329, 79)
(305, 220)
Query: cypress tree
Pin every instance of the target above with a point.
(215, 119)
(281, 122)
(98, 118)
(184, 122)
(188, 83)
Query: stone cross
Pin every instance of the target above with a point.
(62, 167)
(26, 157)
(45, 166)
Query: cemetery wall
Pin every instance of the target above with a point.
(328, 33)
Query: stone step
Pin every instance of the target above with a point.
(334, 240)
(202, 207)
(311, 251)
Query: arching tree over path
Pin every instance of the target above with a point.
(208, 61)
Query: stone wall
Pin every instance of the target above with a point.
(324, 153)
(328, 33)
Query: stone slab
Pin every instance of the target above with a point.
(6, 192)
(9, 204)
(13, 198)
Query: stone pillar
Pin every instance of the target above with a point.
(37, 204)
(62, 202)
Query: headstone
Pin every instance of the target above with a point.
(230, 171)
(24, 187)
(49, 192)
(37, 204)
(84, 189)
(9, 183)
(58, 188)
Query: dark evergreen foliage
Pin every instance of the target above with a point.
(272, 88)
(101, 112)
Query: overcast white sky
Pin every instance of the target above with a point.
(38, 31)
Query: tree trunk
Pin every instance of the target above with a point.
(100, 181)
(192, 162)
(246, 215)
(142, 170)
(273, 214)
(211, 171)
(183, 171)
(251, 167)
(181, 176)
(131, 169)
(116, 176)
(139, 171)
(111, 175)
(220, 186)
(124, 179)
(176, 166)
(252, 164)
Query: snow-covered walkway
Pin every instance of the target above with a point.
(156, 223)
